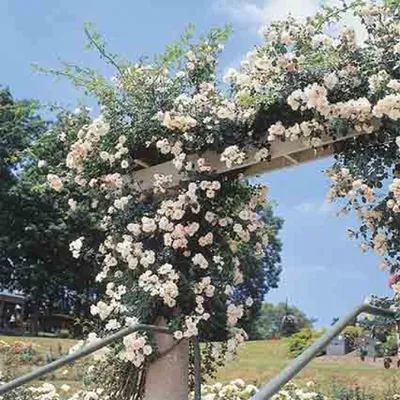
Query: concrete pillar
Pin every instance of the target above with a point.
(168, 377)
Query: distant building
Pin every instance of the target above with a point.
(339, 346)
(11, 311)
(16, 317)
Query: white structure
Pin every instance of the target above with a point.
(283, 154)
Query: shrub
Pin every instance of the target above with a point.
(301, 340)
(345, 393)
(19, 353)
(387, 348)
(234, 390)
(351, 334)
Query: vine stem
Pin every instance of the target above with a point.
(102, 51)
(335, 14)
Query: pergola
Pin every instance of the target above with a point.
(167, 377)
(283, 155)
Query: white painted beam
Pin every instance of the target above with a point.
(283, 154)
(291, 159)
(142, 163)
(278, 163)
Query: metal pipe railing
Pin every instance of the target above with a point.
(266, 392)
(91, 348)
(291, 370)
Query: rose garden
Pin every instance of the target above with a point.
(152, 199)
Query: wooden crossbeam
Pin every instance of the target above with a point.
(142, 163)
(283, 155)
(301, 157)
(291, 159)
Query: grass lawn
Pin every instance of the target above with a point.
(256, 363)
(259, 361)
(71, 375)
(42, 344)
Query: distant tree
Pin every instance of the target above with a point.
(301, 340)
(36, 223)
(352, 334)
(334, 320)
(266, 276)
(269, 323)
(20, 126)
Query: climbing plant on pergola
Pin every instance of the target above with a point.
(165, 161)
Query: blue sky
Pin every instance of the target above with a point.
(325, 274)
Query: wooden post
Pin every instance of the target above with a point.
(168, 377)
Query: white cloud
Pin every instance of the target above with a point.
(253, 15)
(276, 9)
(244, 12)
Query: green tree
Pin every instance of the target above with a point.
(352, 334)
(20, 125)
(269, 323)
(265, 275)
(36, 225)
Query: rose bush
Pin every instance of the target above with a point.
(234, 390)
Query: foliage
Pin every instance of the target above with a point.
(266, 277)
(291, 391)
(302, 340)
(48, 391)
(234, 390)
(20, 126)
(17, 354)
(351, 334)
(38, 226)
(382, 328)
(269, 322)
(387, 347)
(344, 393)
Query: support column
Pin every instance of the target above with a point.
(2, 314)
(398, 342)
(168, 377)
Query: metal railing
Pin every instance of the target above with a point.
(91, 348)
(290, 371)
(266, 391)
